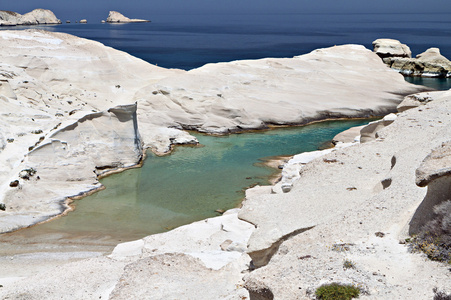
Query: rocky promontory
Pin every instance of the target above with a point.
(398, 57)
(35, 17)
(117, 17)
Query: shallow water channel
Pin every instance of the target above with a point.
(186, 186)
(189, 184)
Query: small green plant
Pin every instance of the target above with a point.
(337, 291)
(348, 264)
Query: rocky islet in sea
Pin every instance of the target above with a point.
(399, 57)
(47, 17)
(35, 17)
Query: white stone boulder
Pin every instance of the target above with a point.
(391, 48)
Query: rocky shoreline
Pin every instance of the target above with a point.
(69, 128)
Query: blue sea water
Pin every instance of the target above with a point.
(190, 41)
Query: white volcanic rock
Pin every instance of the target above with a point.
(435, 173)
(67, 163)
(391, 48)
(370, 131)
(204, 260)
(176, 276)
(368, 189)
(338, 204)
(68, 110)
(348, 136)
(117, 17)
(35, 17)
(416, 100)
(249, 94)
(52, 80)
(427, 64)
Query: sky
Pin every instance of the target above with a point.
(98, 9)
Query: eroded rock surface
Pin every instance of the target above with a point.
(76, 78)
(35, 17)
(73, 104)
(230, 97)
(398, 57)
(67, 163)
(346, 197)
(391, 48)
(435, 173)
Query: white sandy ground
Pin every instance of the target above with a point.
(344, 197)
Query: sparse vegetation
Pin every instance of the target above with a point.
(342, 247)
(348, 264)
(439, 295)
(434, 238)
(337, 291)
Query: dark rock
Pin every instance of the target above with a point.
(14, 183)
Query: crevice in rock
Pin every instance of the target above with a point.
(261, 294)
(386, 183)
(393, 162)
(262, 257)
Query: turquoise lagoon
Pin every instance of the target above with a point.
(189, 184)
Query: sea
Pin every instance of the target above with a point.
(188, 41)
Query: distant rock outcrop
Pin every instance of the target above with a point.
(427, 64)
(35, 17)
(398, 57)
(117, 17)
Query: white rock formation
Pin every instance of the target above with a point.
(399, 57)
(35, 17)
(368, 189)
(204, 259)
(370, 131)
(339, 203)
(77, 77)
(63, 163)
(427, 64)
(117, 17)
(68, 109)
(229, 97)
(391, 48)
